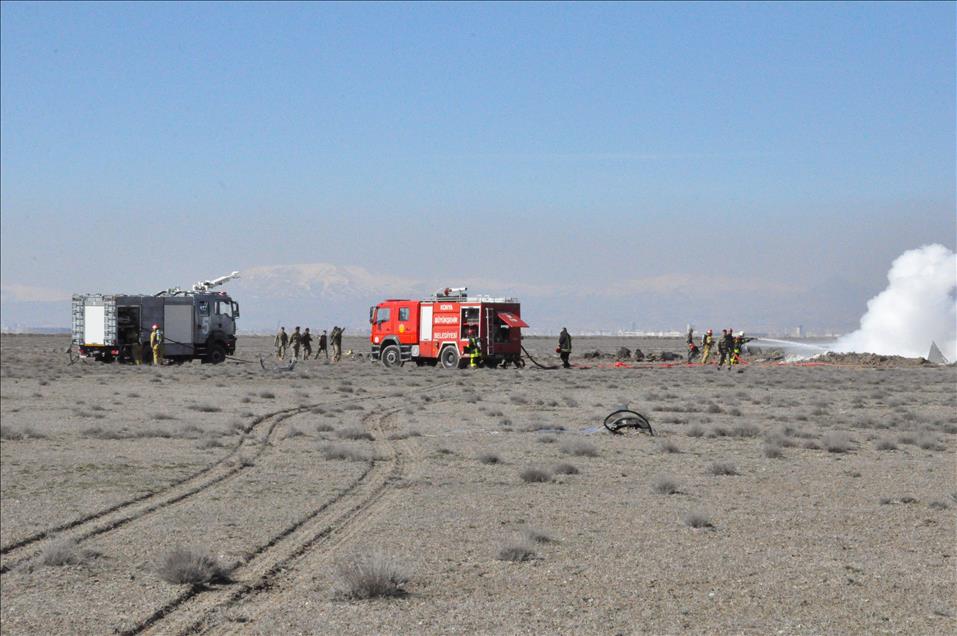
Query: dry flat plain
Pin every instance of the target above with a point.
(781, 499)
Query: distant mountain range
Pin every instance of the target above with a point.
(320, 295)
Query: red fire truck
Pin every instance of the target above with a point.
(437, 331)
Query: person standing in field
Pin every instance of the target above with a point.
(335, 338)
(306, 344)
(323, 345)
(692, 347)
(295, 341)
(707, 341)
(156, 344)
(727, 340)
(565, 347)
(282, 342)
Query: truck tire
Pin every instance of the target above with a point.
(391, 356)
(449, 358)
(217, 354)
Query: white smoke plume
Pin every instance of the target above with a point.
(918, 306)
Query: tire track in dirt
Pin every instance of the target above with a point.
(267, 597)
(323, 528)
(121, 514)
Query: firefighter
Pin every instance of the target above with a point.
(323, 345)
(737, 346)
(726, 346)
(475, 352)
(282, 343)
(707, 341)
(306, 344)
(564, 347)
(156, 343)
(136, 349)
(692, 347)
(295, 342)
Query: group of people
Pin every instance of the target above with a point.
(299, 343)
(156, 347)
(729, 346)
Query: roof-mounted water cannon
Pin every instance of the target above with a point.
(452, 292)
(206, 285)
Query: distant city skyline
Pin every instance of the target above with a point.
(755, 164)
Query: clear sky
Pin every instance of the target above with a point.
(582, 145)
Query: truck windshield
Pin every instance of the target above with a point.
(224, 309)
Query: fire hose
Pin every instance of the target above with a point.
(536, 362)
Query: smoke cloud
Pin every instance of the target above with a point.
(918, 306)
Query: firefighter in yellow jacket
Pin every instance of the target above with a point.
(475, 351)
(707, 341)
(156, 343)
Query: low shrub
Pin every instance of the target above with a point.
(516, 552)
(664, 485)
(190, 566)
(372, 575)
(535, 475)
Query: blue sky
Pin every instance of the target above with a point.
(146, 145)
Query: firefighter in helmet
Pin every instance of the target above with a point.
(707, 341)
(737, 346)
(475, 351)
(156, 344)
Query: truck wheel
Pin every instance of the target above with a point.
(391, 356)
(491, 363)
(449, 358)
(216, 355)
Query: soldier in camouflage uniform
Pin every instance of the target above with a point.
(282, 342)
(295, 341)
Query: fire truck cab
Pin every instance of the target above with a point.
(437, 331)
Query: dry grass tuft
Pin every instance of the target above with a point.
(723, 468)
(837, 442)
(516, 552)
(535, 475)
(534, 535)
(190, 566)
(697, 519)
(344, 453)
(773, 450)
(64, 552)
(579, 449)
(372, 575)
(490, 458)
(667, 446)
(354, 433)
(664, 485)
(885, 444)
(204, 408)
(565, 469)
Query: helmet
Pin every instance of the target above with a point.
(710, 332)
(156, 326)
(740, 334)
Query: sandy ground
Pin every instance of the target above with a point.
(840, 519)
